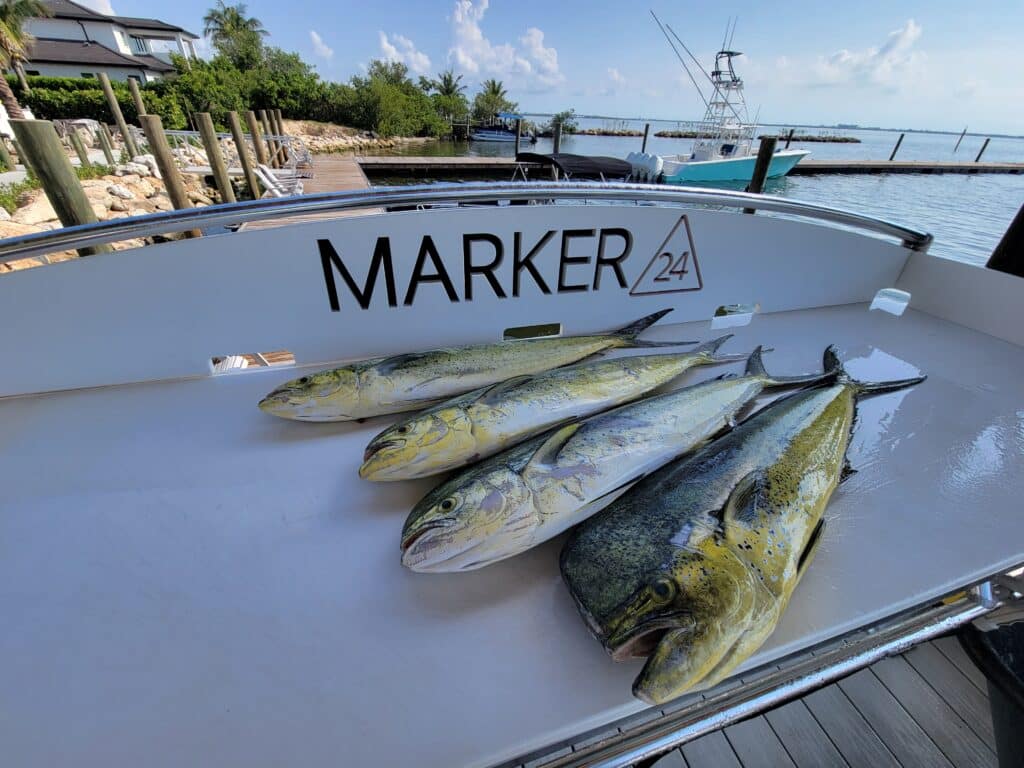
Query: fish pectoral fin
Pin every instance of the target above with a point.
(494, 394)
(739, 508)
(847, 472)
(810, 548)
(546, 454)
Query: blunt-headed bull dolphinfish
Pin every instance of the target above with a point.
(413, 381)
(694, 566)
(486, 421)
(526, 495)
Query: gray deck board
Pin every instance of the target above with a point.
(955, 688)
(673, 759)
(850, 732)
(942, 724)
(950, 648)
(757, 746)
(807, 744)
(711, 751)
(892, 722)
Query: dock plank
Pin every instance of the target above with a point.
(892, 722)
(711, 751)
(950, 648)
(807, 744)
(944, 726)
(757, 746)
(953, 686)
(850, 732)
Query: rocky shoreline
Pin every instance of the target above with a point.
(327, 138)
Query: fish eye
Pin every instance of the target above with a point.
(663, 590)
(448, 504)
(304, 380)
(403, 430)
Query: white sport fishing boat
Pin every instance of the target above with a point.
(188, 581)
(724, 148)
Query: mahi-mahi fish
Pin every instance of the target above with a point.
(486, 421)
(693, 567)
(413, 381)
(528, 494)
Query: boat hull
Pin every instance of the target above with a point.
(493, 136)
(734, 169)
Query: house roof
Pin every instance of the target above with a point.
(66, 9)
(79, 52)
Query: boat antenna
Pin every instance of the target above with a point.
(702, 70)
(725, 37)
(682, 60)
(733, 33)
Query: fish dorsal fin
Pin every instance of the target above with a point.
(390, 364)
(810, 548)
(493, 395)
(740, 506)
(547, 452)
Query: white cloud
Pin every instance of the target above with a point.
(102, 6)
(320, 48)
(892, 64)
(402, 49)
(615, 76)
(532, 65)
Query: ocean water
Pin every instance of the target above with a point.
(966, 214)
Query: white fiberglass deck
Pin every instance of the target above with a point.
(187, 581)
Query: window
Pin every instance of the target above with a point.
(34, 72)
(136, 78)
(88, 74)
(139, 45)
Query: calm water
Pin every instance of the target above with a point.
(966, 214)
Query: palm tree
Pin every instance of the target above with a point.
(233, 34)
(448, 83)
(494, 89)
(14, 42)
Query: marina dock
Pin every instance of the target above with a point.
(503, 167)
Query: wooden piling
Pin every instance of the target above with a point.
(647, 131)
(897, 147)
(279, 123)
(258, 146)
(789, 137)
(962, 134)
(243, 155)
(1008, 256)
(764, 160)
(982, 150)
(56, 175)
(154, 129)
(216, 157)
(122, 126)
(140, 105)
(268, 131)
(106, 144)
(519, 132)
(79, 146)
(19, 153)
(557, 139)
(6, 161)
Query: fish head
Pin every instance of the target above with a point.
(648, 591)
(419, 445)
(325, 396)
(473, 520)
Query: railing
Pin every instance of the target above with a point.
(184, 143)
(425, 195)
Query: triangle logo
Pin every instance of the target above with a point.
(674, 268)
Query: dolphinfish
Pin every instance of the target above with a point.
(693, 567)
(526, 495)
(415, 380)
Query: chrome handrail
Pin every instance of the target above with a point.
(232, 214)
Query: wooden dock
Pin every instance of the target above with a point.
(503, 167)
(926, 707)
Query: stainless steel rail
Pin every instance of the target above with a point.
(775, 686)
(262, 210)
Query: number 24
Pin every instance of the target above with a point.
(675, 267)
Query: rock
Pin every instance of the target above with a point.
(14, 266)
(198, 198)
(118, 204)
(161, 203)
(118, 190)
(141, 207)
(125, 245)
(4, 215)
(36, 212)
(132, 169)
(16, 229)
(128, 178)
(100, 210)
(28, 196)
(150, 162)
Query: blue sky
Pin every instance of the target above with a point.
(896, 64)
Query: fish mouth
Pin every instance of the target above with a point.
(374, 448)
(640, 641)
(409, 539)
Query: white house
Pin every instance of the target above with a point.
(79, 42)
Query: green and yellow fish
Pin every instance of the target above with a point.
(693, 567)
(521, 497)
(416, 380)
(486, 421)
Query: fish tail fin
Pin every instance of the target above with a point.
(832, 368)
(866, 387)
(628, 334)
(709, 351)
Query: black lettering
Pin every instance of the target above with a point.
(566, 259)
(519, 263)
(616, 263)
(487, 270)
(427, 248)
(381, 256)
